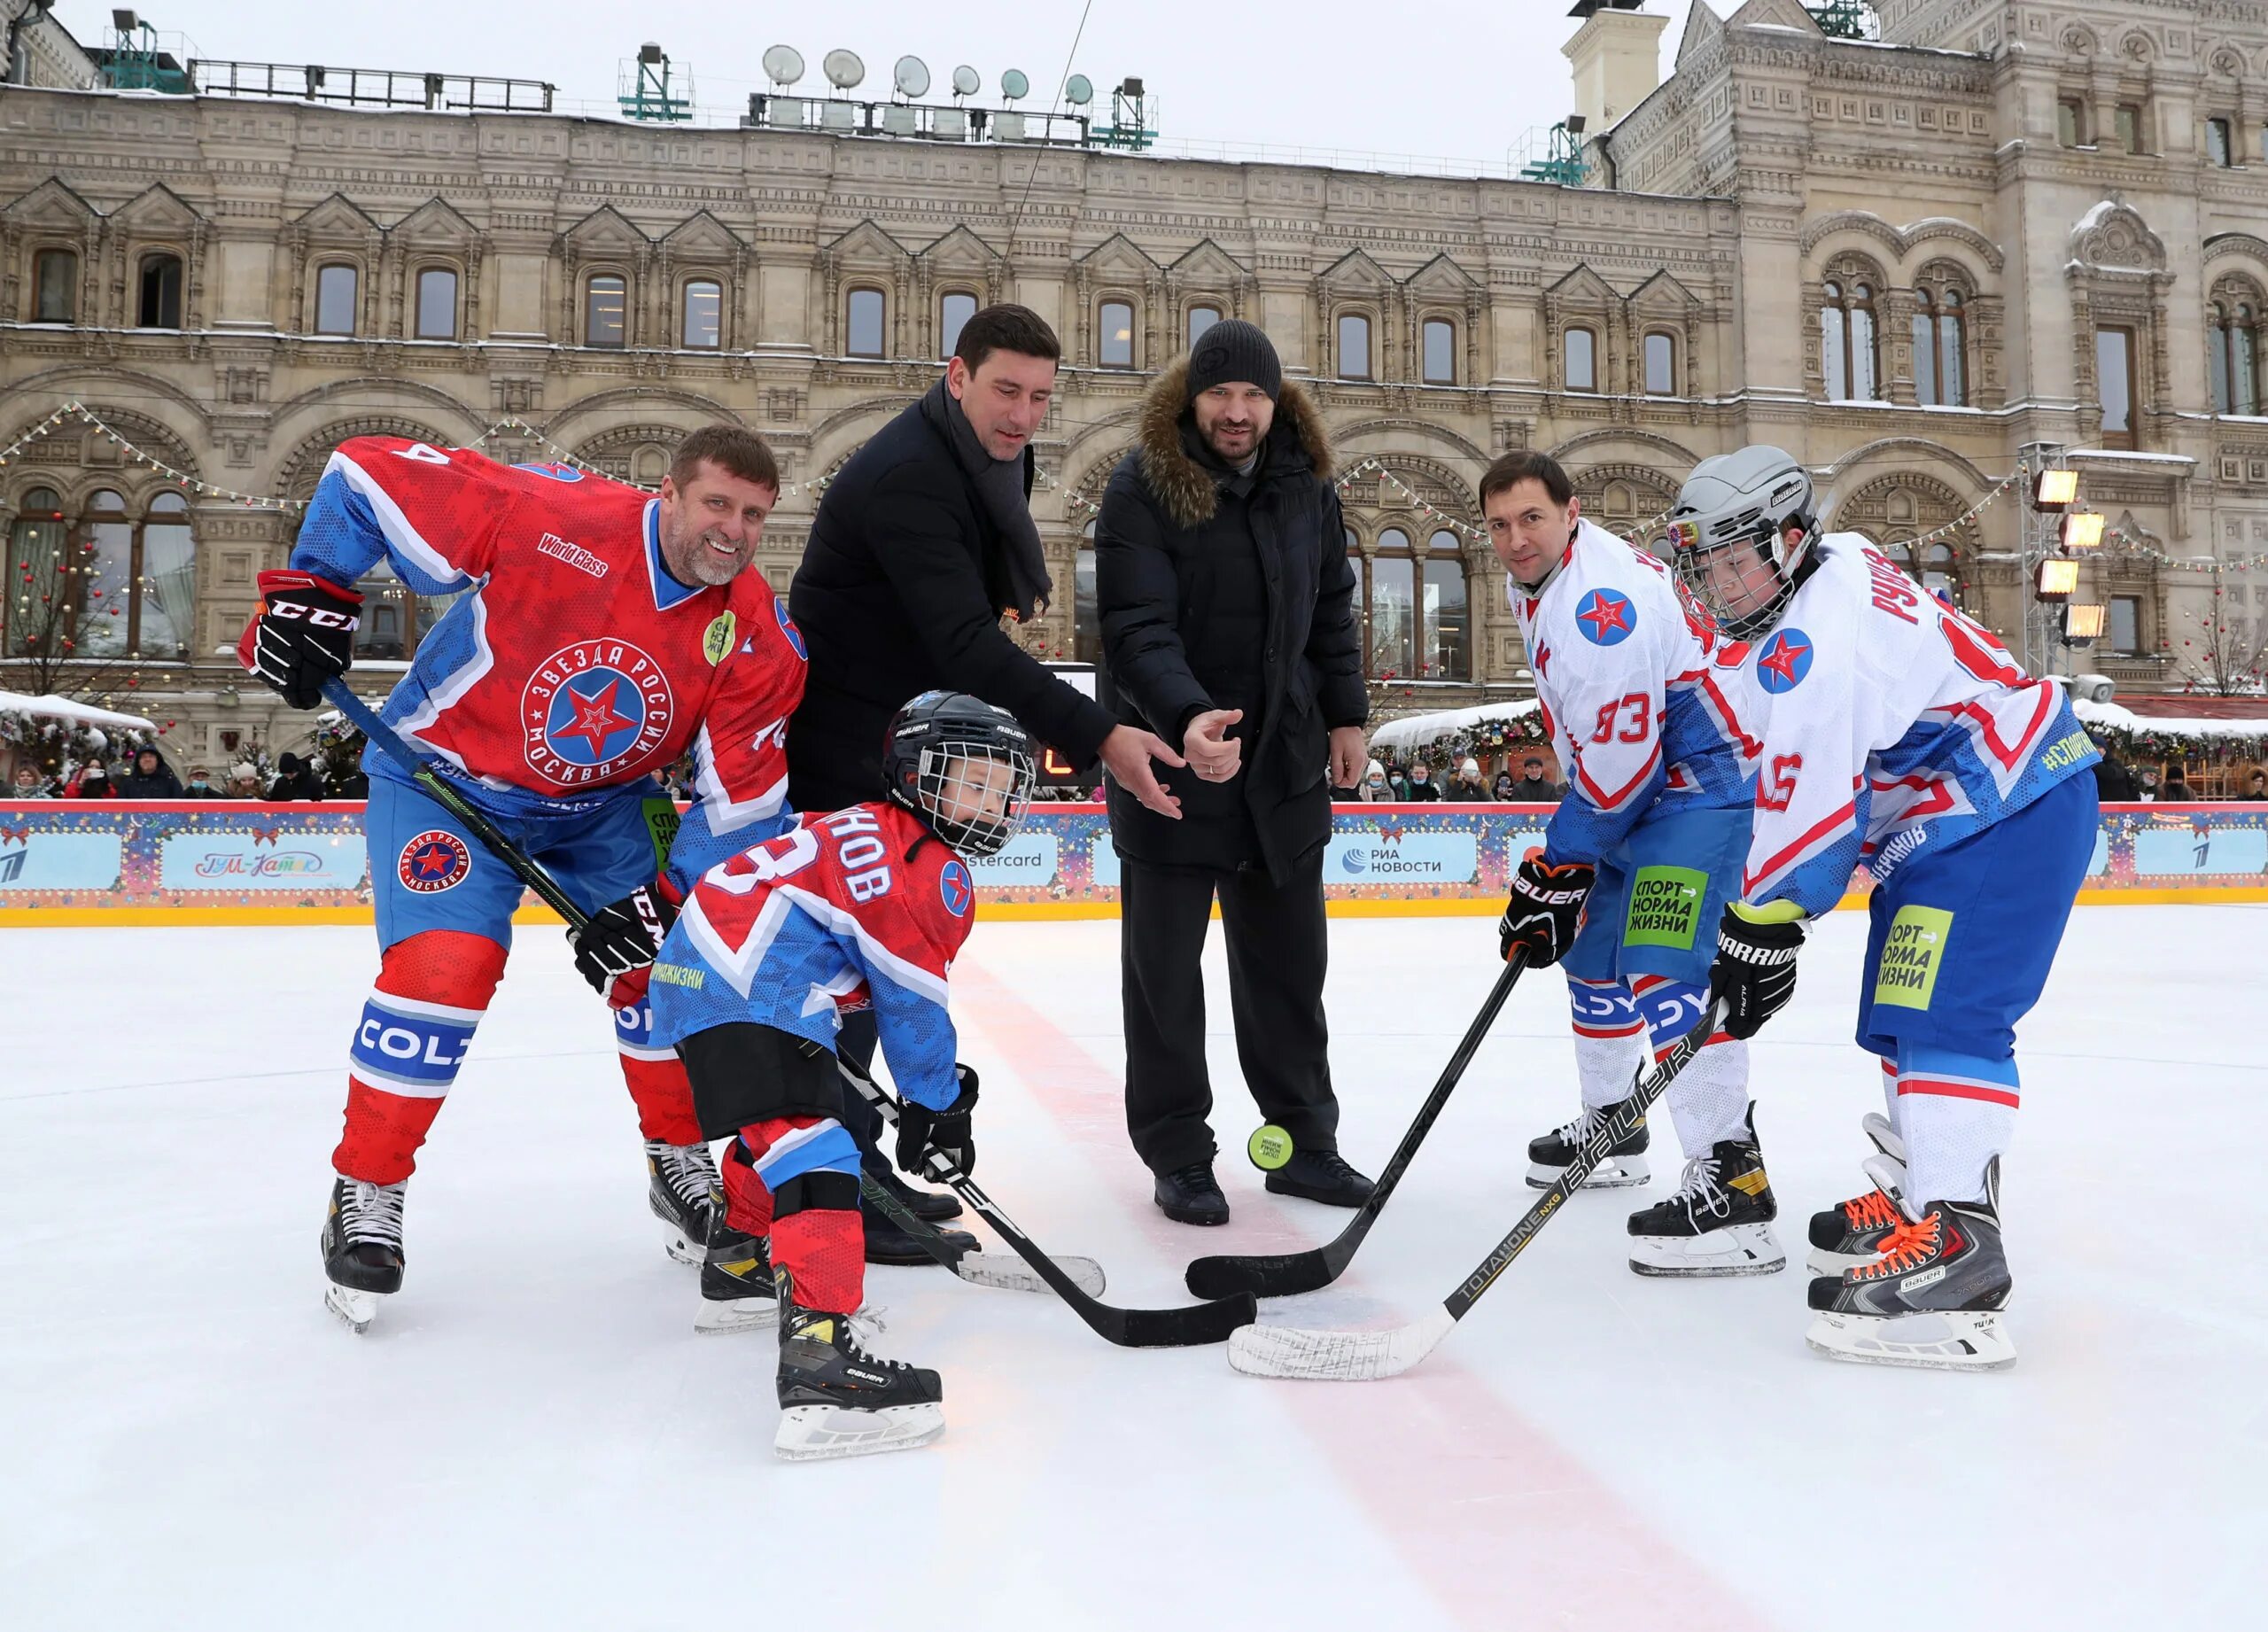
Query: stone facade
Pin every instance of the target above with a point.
(1759, 243)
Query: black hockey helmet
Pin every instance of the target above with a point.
(961, 766)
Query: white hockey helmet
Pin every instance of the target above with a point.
(1729, 535)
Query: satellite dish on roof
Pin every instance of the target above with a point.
(1014, 84)
(967, 81)
(911, 76)
(1079, 91)
(783, 64)
(843, 70)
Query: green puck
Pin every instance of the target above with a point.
(1270, 1147)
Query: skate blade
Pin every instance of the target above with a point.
(1822, 1261)
(1965, 1340)
(721, 1317)
(1739, 1249)
(681, 1247)
(1619, 1173)
(820, 1432)
(1013, 1274)
(356, 1308)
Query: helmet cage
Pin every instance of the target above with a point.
(965, 774)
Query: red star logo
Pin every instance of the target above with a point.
(1602, 615)
(597, 721)
(432, 860)
(1781, 658)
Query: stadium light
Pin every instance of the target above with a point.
(2055, 490)
(2082, 623)
(2082, 530)
(2058, 579)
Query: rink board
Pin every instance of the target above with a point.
(126, 863)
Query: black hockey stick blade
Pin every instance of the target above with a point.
(1362, 1356)
(1283, 1275)
(973, 1264)
(1185, 1327)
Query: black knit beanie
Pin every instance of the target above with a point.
(1234, 350)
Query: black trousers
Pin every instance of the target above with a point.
(1276, 949)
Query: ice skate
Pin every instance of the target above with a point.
(361, 1248)
(737, 1293)
(836, 1399)
(681, 1179)
(1719, 1220)
(1936, 1297)
(1852, 1233)
(1621, 1166)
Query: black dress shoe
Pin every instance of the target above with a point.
(1189, 1195)
(886, 1243)
(1321, 1176)
(925, 1204)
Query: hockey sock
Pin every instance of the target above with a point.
(656, 1079)
(1708, 1100)
(1609, 1049)
(748, 1204)
(1957, 1112)
(811, 1166)
(430, 995)
(1889, 1105)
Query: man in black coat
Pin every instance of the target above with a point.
(1228, 625)
(923, 542)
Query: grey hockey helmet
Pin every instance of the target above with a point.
(1729, 535)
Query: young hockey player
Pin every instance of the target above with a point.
(1897, 734)
(870, 903)
(1638, 861)
(598, 633)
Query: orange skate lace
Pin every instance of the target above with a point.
(1906, 1247)
(1872, 1211)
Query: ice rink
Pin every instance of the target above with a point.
(533, 1437)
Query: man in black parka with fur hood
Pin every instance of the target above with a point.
(1226, 600)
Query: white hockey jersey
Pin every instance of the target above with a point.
(1626, 668)
(1889, 721)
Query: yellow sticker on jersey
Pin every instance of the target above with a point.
(718, 640)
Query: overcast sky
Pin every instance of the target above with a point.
(1456, 78)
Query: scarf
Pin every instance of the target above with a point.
(1000, 489)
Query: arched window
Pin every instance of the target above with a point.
(437, 304)
(1579, 356)
(1445, 650)
(1086, 611)
(1936, 570)
(702, 324)
(335, 287)
(35, 580)
(953, 310)
(105, 569)
(1439, 348)
(166, 580)
(54, 286)
(1940, 347)
(2232, 351)
(865, 337)
(1846, 331)
(1393, 601)
(1353, 346)
(1115, 335)
(1200, 319)
(606, 311)
(158, 305)
(1661, 364)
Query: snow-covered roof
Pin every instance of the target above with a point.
(1420, 730)
(2112, 716)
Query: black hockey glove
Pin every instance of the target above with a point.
(615, 952)
(302, 636)
(1545, 910)
(1755, 967)
(920, 1130)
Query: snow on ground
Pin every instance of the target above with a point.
(534, 1437)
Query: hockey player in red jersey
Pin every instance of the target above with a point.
(598, 633)
(870, 904)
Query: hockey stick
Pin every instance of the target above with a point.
(1281, 1275)
(1135, 1328)
(973, 1264)
(1130, 1328)
(1359, 1356)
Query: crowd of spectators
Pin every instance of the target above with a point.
(147, 776)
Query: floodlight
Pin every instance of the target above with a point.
(1079, 91)
(967, 81)
(843, 70)
(124, 20)
(649, 53)
(1576, 124)
(2082, 530)
(911, 76)
(1015, 84)
(1132, 88)
(2057, 579)
(783, 64)
(2083, 622)
(2055, 490)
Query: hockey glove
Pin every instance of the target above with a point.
(615, 952)
(302, 636)
(1755, 967)
(1545, 910)
(920, 1130)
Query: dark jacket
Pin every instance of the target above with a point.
(2114, 783)
(900, 592)
(300, 782)
(1220, 593)
(159, 784)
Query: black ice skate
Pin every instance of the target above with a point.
(929, 1206)
(1934, 1298)
(1623, 1166)
(737, 1293)
(1852, 1233)
(837, 1400)
(361, 1248)
(1719, 1220)
(680, 1179)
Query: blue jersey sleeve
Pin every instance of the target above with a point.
(918, 1040)
(340, 539)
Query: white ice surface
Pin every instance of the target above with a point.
(533, 1437)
